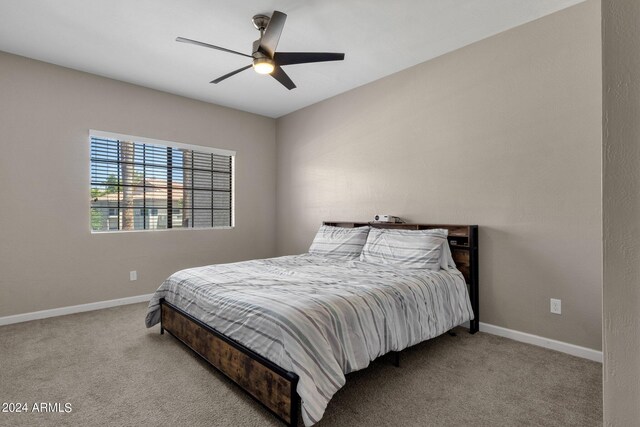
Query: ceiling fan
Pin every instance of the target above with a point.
(265, 58)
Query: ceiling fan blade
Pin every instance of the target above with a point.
(226, 76)
(290, 58)
(279, 74)
(183, 40)
(271, 35)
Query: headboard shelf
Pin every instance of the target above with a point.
(463, 241)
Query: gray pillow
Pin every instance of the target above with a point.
(338, 242)
(408, 248)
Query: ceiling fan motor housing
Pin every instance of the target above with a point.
(257, 53)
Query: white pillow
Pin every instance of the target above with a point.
(339, 242)
(446, 259)
(409, 248)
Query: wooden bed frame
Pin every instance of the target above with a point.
(268, 383)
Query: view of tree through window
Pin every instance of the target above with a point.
(143, 186)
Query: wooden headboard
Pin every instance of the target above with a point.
(463, 241)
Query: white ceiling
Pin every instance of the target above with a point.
(133, 41)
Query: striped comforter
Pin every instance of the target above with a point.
(318, 317)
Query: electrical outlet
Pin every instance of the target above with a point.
(133, 275)
(556, 306)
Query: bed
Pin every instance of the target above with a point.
(288, 329)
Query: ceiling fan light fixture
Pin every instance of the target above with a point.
(263, 65)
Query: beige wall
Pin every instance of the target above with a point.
(621, 211)
(48, 257)
(505, 133)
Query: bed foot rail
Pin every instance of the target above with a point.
(266, 382)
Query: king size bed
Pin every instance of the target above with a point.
(288, 329)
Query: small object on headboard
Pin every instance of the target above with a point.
(387, 218)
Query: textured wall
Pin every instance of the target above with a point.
(48, 256)
(505, 133)
(621, 211)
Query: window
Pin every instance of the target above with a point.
(145, 184)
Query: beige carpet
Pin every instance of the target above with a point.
(116, 372)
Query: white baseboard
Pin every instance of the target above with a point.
(25, 317)
(572, 349)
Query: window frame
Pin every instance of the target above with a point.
(171, 144)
